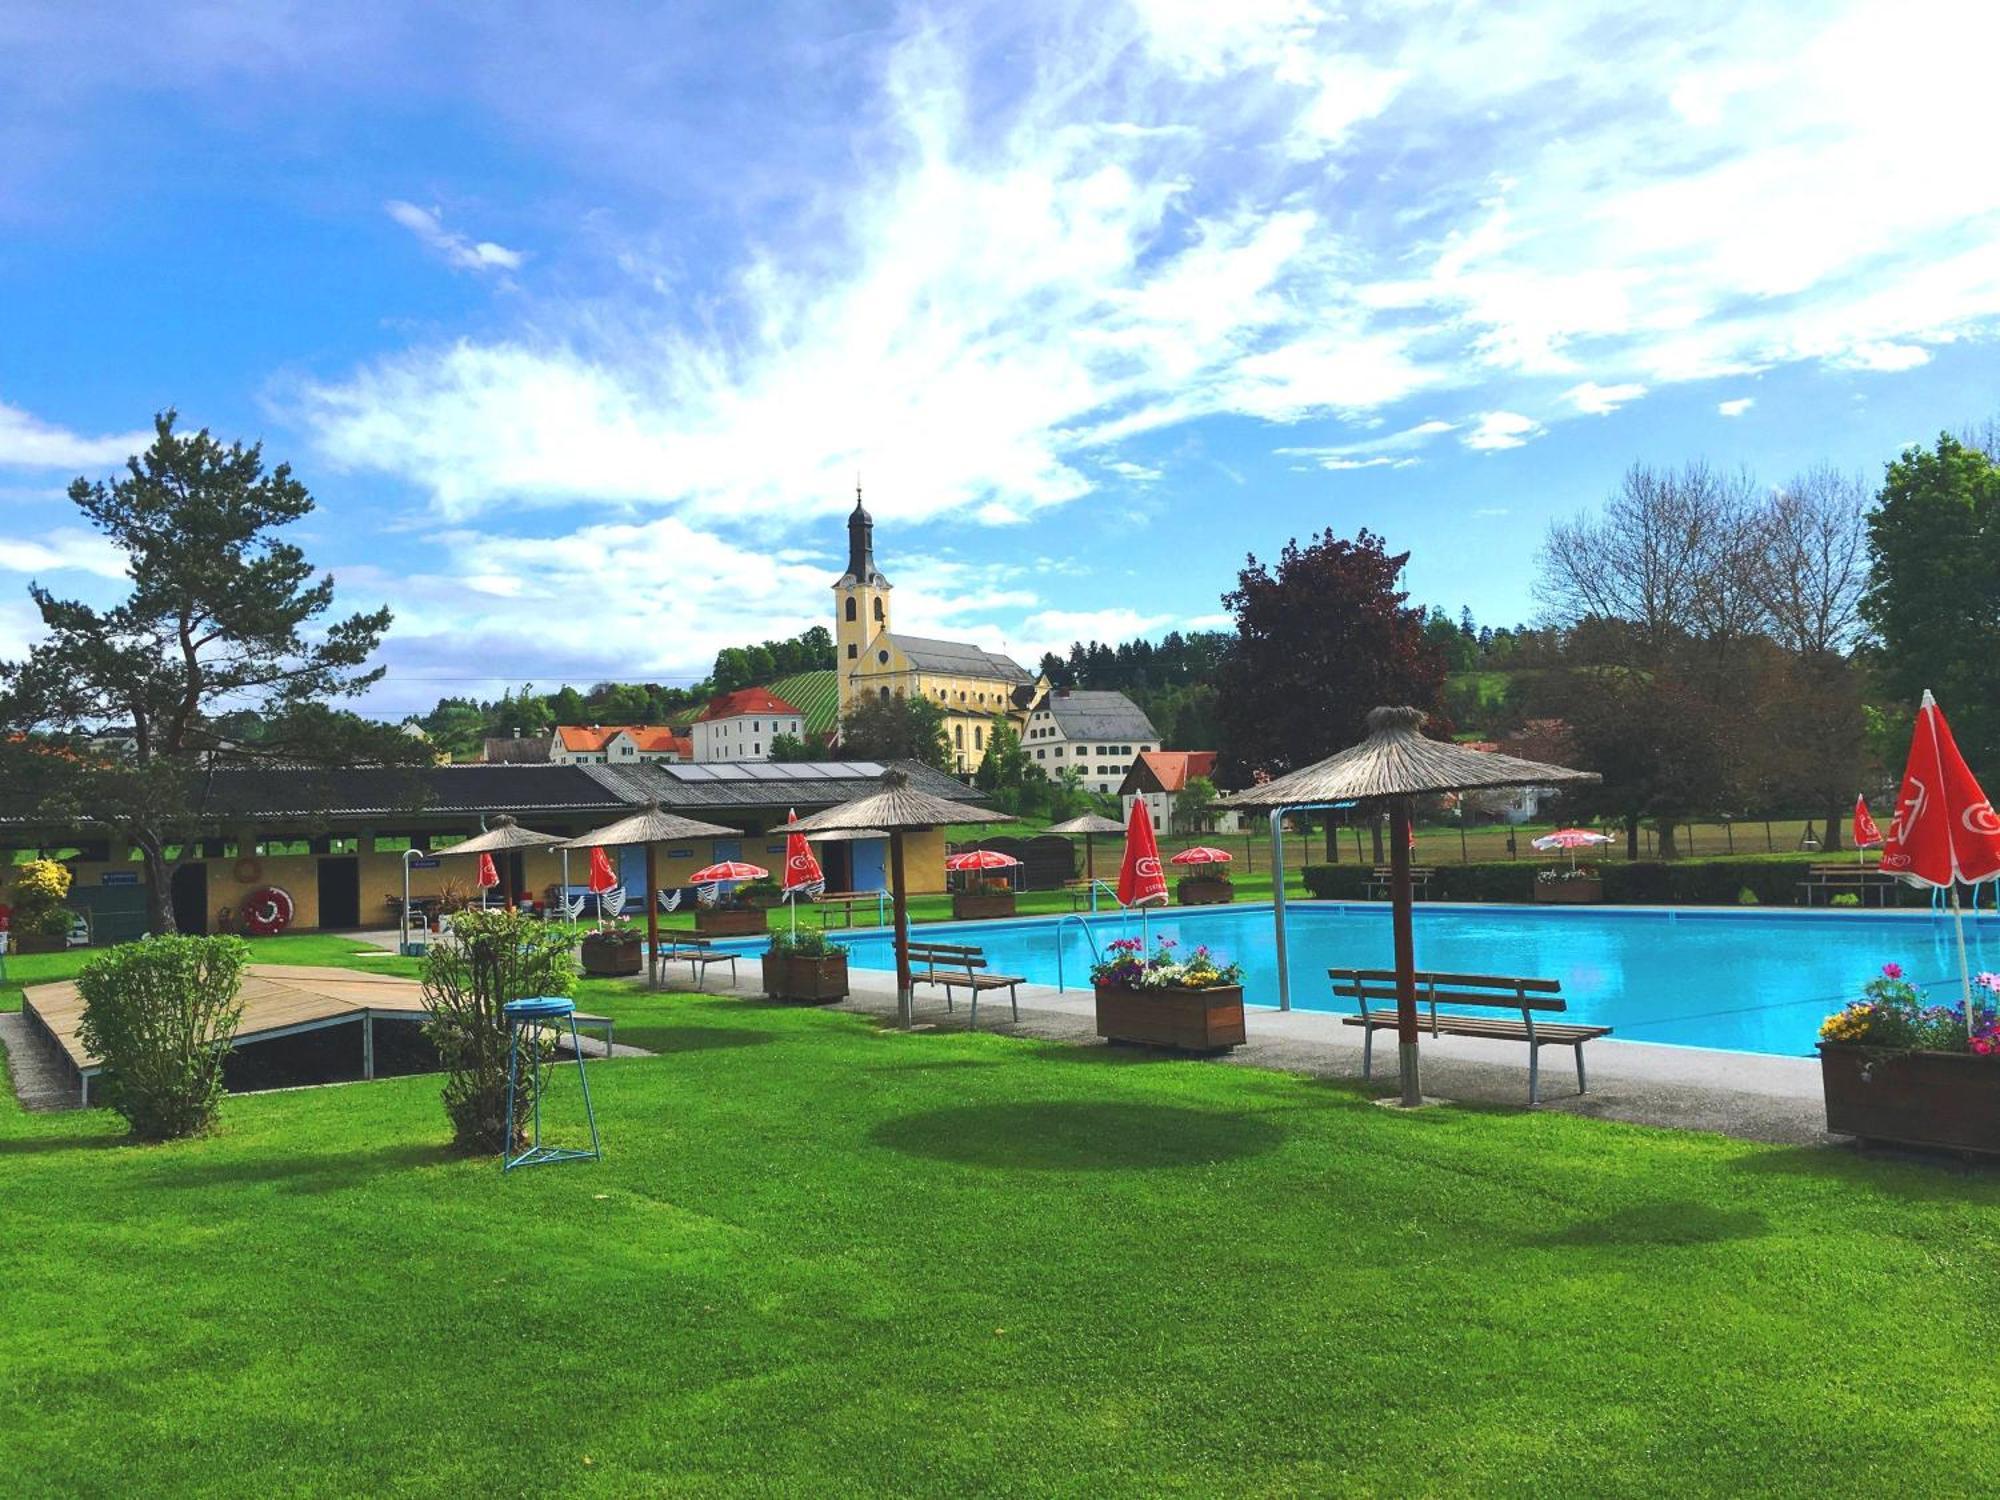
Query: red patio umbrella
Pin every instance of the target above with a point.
(981, 859)
(729, 869)
(602, 876)
(1945, 832)
(488, 876)
(803, 876)
(1202, 854)
(1866, 834)
(1140, 880)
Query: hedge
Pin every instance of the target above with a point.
(1684, 882)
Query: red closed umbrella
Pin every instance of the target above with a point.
(602, 876)
(1140, 879)
(1202, 854)
(802, 871)
(1945, 833)
(1866, 834)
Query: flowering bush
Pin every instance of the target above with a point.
(1125, 966)
(1892, 1015)
(807, 942)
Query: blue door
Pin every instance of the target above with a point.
(632, 874)
(871, 864)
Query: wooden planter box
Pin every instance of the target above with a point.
(970, 906)
(611, 957)
(1946, 1100)
(1569, 892)
(1196, 891)
(816, 980)
(38, 942)
(730, 921)
(1190, 1020)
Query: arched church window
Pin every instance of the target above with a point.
(885, 695)
(850, 608)
(853, 651)
(878, 611)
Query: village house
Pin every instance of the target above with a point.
(1093, 732)
(617, 745)
(742, 724)
(1158, 777)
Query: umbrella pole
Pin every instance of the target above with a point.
(1406, 951)
(1278, 906)
(899, 898)
(1964, 968)
(652, 916)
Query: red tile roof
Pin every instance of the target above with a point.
(750, 700)
(1172, 768)
(651, 739)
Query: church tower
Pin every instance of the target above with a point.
(860, 601)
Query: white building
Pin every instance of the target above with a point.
(1097, 733)
(742, 724)
(616, 744)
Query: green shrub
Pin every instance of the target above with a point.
(160, 1014)
(807, 942)
(1847, 898)
(40, 890)
(492, 958)
(1745, 896)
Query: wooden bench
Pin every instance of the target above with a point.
(1492, 992)
(955, 966)
(1383, 878)
(845, 902)
(697, 954)
(1857, 878)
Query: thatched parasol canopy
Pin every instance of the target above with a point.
(844, 835)
(503, 837)
(1394, 764)
(898, 807)
(1088, 823)
(650, 826)
(1397, 761)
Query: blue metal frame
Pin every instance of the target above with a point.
(533, 1015)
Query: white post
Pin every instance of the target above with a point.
(1964, 968)
(1278, 905)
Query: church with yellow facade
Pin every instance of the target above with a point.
(873, 660)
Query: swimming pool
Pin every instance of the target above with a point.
(1749, 981)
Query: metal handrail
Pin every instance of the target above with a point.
(1104, 886)
(1095, 951)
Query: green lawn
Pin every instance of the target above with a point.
(822, 1260)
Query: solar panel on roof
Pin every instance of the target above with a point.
(691, 773)
(861, 768)
(725, 771)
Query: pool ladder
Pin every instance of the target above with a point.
(1090, 936)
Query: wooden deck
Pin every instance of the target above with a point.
(278, 1000)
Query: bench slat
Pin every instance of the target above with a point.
(1554, 1032)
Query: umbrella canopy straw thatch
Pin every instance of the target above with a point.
(1090, 825)
(503, 837)
(1394, 764)
(898, 808)
(651, 827)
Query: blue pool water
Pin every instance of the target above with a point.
(1750, 981)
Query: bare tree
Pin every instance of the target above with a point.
(1673, 554)
(1812, 562)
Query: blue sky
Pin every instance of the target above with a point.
(580, 320)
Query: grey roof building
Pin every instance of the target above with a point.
(1096, 732)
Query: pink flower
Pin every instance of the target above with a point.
(1892, 971)
(1988, 980)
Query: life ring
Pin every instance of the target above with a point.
(266, 911)
(248, 870)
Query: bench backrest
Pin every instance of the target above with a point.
(951, 955)
(1493, 991)
(1845, 868)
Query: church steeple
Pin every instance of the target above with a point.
(861, 546)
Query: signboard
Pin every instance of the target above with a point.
(119, 877)
(427, 862)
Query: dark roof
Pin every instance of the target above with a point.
(268, 794)
(958, 658)
(1089, 714)
(523, 751)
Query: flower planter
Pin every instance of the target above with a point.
(1197, 891)
(1188, 1020)
(1569, 892)
(1945, 1100)
(730, 921)
(814, 980)
(611, 956)
(973, 905)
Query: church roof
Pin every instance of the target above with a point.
(1086, 714)
(958, 659)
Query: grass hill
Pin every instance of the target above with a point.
(814, 694)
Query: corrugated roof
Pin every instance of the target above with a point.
(958, 658)
(1092, 714)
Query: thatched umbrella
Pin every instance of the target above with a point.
(1394, 764)
(1089, 825)
(505, 836)
(899, 809)
(651, 827)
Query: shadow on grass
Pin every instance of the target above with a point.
(671, 1039)
(1063, 1137)
(1909, 1173)
(939, 1065)
(1648, 1224)
(34, 1145)
(321, 1172)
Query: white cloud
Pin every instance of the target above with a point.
(67, 548)
(1136, 473)
(29, 443)
(1596, 400)
(1736, 406)
(1884, 356)
(1502, 429)
(455, 249)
